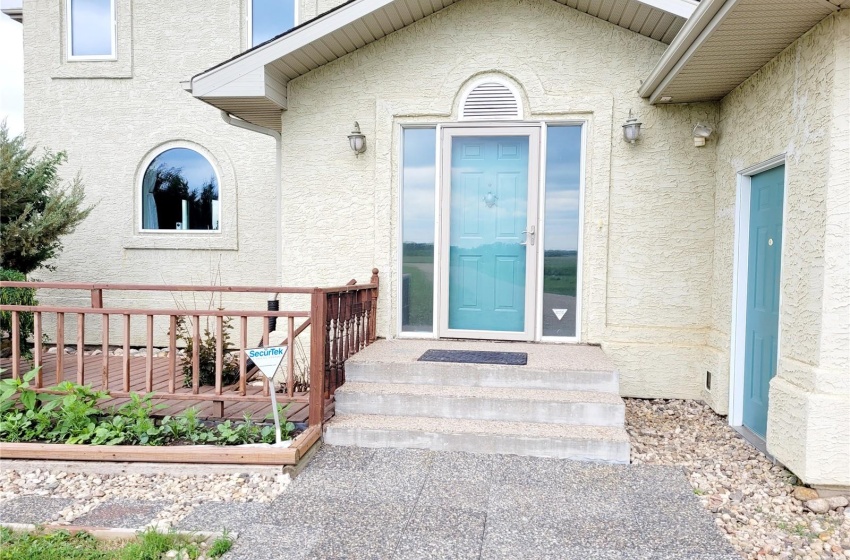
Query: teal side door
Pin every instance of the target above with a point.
(762, 330)
(488, 218)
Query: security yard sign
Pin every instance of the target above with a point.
(268, 360)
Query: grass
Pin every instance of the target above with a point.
(150, 545)
(421, 297)
(559, 274)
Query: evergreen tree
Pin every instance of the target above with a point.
(35, 209)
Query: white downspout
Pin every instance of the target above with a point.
(230, 119)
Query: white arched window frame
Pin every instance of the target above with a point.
(144, 184)
(490, 99)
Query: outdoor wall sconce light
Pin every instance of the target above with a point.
(357, 140)
(631, 130)
(701, 134)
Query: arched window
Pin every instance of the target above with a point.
(180, 191)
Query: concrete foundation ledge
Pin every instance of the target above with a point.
(810, 433)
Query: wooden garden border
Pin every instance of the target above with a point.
(166, 454)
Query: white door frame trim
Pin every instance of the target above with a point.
(533, 186)
(740, 276)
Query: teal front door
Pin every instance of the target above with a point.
(762, 321)
(490, 232)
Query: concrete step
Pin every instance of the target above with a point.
(478, 375)
(481, 403)
(550, 366)
(589, 443)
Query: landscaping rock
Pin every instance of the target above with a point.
(819, 505)
(770, 521)
(805, 494)
(837, 502)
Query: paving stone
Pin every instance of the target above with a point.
(342, 458)
(32, 509)
(268, 542)
(462, 494)
(130, 514)
(220, 516)
(422, 546)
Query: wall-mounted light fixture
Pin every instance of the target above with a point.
(357, 140)
(631, 130)
(701, 134)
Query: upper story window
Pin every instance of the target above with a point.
(268, 18)
(91, 29)
(180, 192)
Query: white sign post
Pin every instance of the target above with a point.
(268, 360)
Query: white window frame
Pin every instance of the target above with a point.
(249, 37)
(148, 160)
(69, 28)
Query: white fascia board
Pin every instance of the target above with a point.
(693, 29)
(260, 56)
(260, 82)
(681, 8)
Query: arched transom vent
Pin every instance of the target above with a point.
(491, 99)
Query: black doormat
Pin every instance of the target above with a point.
(475, 357)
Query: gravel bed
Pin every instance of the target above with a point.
(178, 494)
(752, 499)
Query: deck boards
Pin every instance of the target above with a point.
(93, 376)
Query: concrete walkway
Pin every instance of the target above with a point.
(385, 504)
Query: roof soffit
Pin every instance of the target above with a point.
(356, 23)
(727, 41)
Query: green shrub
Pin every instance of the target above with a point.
(15, 296)
(206, 355)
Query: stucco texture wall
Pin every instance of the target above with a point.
(648, 233)
(798, 104)
(108, 125)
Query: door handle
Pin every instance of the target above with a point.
(529, 236)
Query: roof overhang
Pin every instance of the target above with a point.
(13, 8)
(725, 42)
(252, 85)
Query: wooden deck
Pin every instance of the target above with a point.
(254, 402)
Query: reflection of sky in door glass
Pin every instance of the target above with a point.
(91, 27)
(560, 256)
(563, 161)
(418, 179)
(418, 174)
(270, 18)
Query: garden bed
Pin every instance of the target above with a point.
(214, 454)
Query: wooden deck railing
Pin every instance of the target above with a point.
(342, 320)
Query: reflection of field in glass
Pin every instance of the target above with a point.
(560, 272)
(418, 266)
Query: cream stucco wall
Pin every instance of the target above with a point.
(109, 116)
(799, 105)
(648, 234)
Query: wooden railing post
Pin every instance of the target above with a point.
(317, 357)
(97, 298)
(16, 345)
(373, 312)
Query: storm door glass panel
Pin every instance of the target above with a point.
(91, 27)
(418, 180)
(270, 18)
(561, 229)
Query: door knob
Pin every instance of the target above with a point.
(529, 236)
